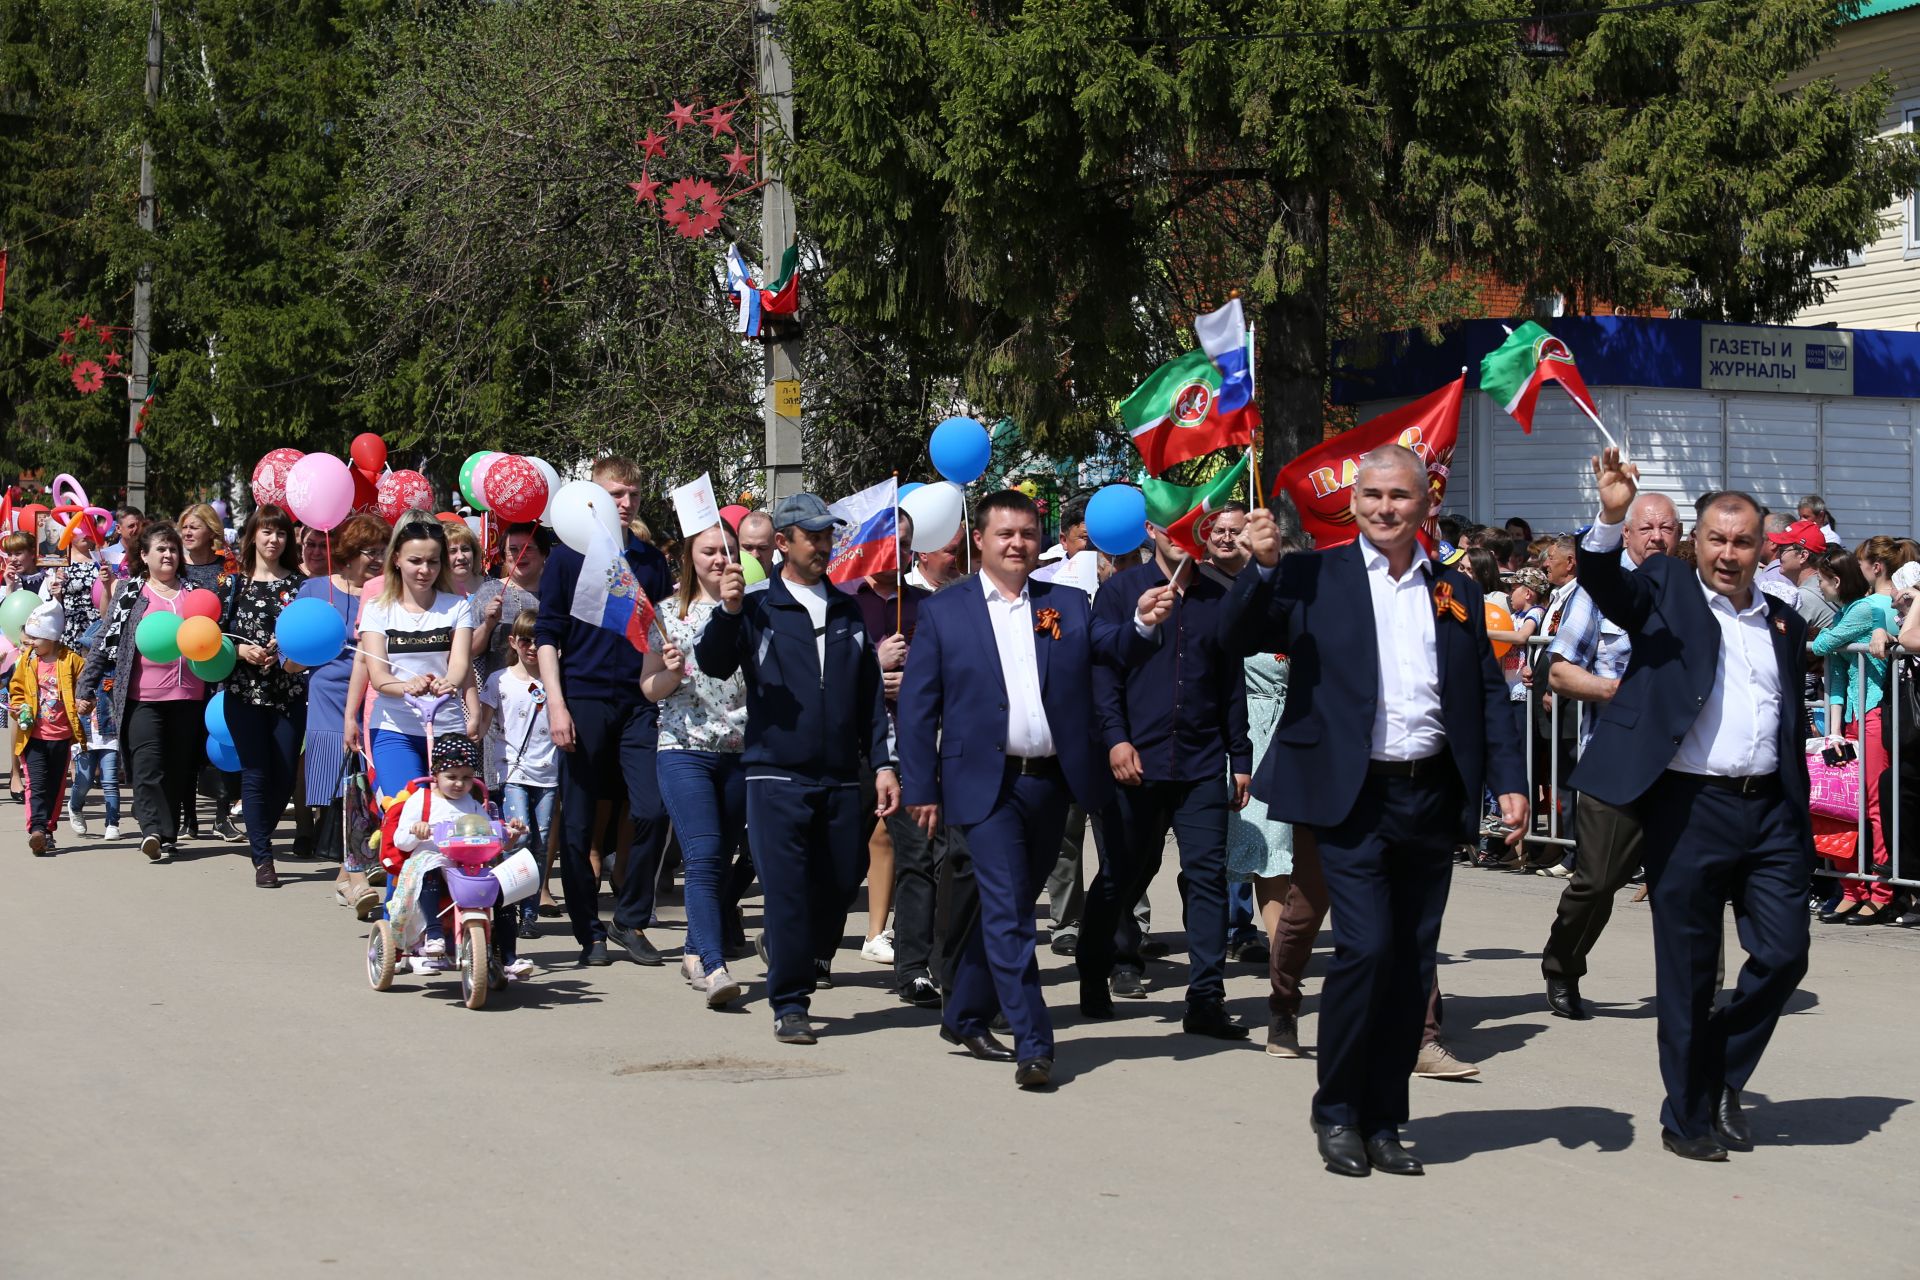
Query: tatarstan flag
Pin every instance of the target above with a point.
(1187, 512)
(1179, 413)
(1531, 357)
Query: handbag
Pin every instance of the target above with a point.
(358, 819)
(1835, 788)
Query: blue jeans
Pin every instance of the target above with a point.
(398, 758)
(705, 793)
(268, 744)
(102, 767)
(533, 806)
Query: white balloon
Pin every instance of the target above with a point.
(577, 508)
(936, 510)
(553, 481)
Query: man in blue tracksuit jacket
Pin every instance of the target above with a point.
(815, 712)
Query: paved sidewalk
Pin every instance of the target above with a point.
(198, 1082)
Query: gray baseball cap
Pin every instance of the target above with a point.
(805, 510)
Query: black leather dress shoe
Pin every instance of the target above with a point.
(793, 1028)
(636, 946)
(1730, 1122)
(982, 1046)
(1563, 998)
(1705, 1147)
(1385, 1153)
(1128, 985)
(1342, 1150)
(594, 953)
(1212, 1019)
(1064, 944)
(1034, 1073)
(1094, 1000)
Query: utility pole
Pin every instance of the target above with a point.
(143, 285)
(782, 390)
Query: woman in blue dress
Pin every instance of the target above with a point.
(357, 546)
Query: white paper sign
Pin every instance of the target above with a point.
(694, 504)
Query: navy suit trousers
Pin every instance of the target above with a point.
(1705, 848)
(613, 744)
(1137, 825)
(808, 851)
(1388, 867)
(1011, 852)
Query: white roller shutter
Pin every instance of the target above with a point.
(1773, 448)
(1866, 472)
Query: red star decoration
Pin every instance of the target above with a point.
(680, 117)
(653, 146)
(692, 207)
(66, 336)
(85, 322)
(738, 161)
(113, 359)
(643, 190)
(719, 119)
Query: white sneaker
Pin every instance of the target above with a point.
(721, 988)
(879, 949)
(78, 823)
(110, 832)
(519, 971)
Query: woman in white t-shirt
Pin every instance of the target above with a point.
(417, 637)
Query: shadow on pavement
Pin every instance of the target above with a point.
(1460, 1134)
(1819, 1122)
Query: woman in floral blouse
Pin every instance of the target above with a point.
(703, 723)
(266, 694)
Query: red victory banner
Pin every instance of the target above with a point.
(1318, 480)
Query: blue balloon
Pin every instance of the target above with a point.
(310, 633)
(1117, 519)
(222, 755)
(960, 450)
(908, 488)
(216, 717)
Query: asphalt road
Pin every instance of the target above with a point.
(198, 1082)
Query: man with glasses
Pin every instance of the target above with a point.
(1585, 663)
(1796, 568)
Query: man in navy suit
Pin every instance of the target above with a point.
(1707, 734)
(1396, 713)
(996, 728)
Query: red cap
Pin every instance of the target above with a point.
(1803, 533)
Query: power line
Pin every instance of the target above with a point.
(1344, 33)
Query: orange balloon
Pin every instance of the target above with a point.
(199, 639)
(1498, 619)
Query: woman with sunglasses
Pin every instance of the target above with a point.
(357, 546)
(417, 639)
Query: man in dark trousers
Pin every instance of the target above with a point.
(1172, 726)
(1396, 712)
(606, 731)
(815, 717)
(996, 728)
(1706, 735)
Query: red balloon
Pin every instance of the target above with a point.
(270, 476)
(733, 515)
(399, 490)
(200, 603)
(27, 519)
(366, 493)
(516, 491)
(369, 452)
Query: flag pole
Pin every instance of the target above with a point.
(1256, 483)
(899, 567)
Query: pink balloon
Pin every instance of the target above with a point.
(480, 470)
(319, 491)
(270, 476)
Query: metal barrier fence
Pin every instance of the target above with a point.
(1559, 759)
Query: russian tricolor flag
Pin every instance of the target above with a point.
(606, 595)
(869, 541)
(1223, 335)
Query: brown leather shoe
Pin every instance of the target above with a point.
(264, 877)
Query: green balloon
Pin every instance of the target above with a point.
(14, 612)
(752, 570)
(216, 668)
(158, 637)
(475, 499)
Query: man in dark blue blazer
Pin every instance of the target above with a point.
(1396, 714)
(996, 728)
(1707, 732)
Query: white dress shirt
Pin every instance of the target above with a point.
(1737, 732)
(1029, 736)
(1406, 718)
